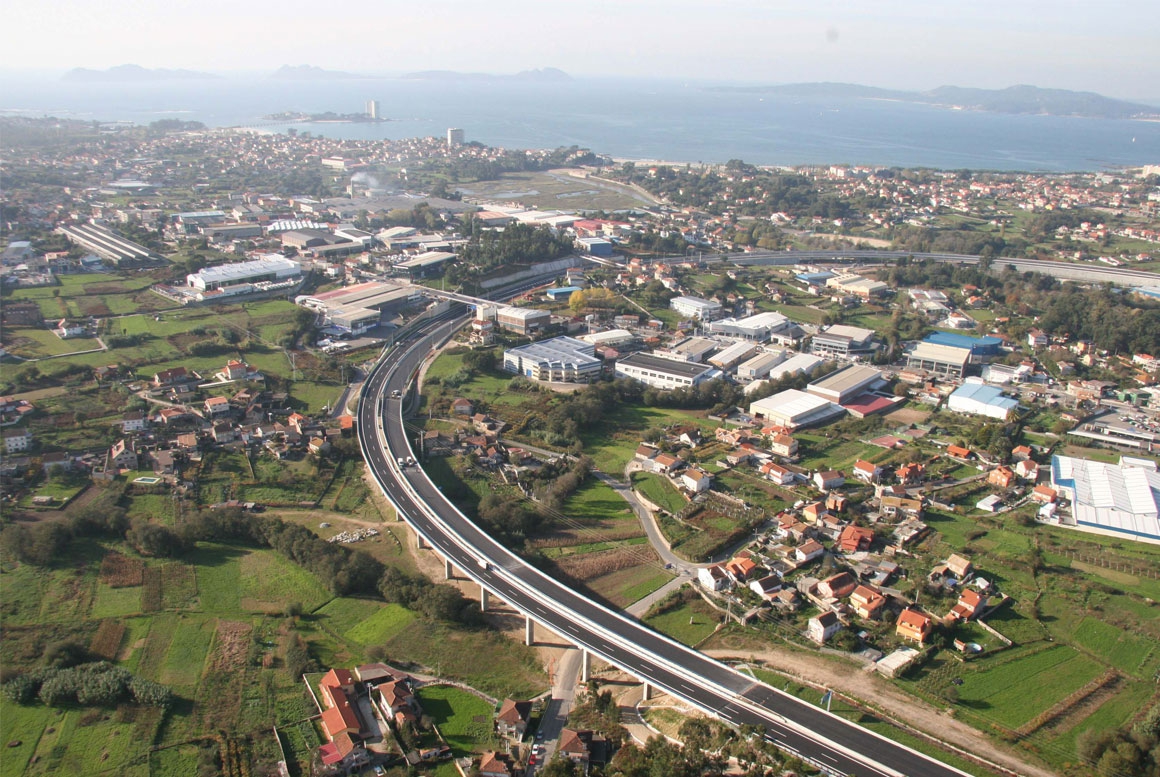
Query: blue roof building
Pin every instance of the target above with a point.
(815, 278)
(979, 346)
(562, 293)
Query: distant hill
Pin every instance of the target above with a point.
(310, 73)
(1014, 99)
(544, 75)
(125, 73)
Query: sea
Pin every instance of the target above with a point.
(626, 119)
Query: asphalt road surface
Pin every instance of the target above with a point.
(828, 741)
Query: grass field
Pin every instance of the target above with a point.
(187, 652)
(1119, 648)
(689, 622)
(386, 622)
(658, 490)
(464, 719)
(269, 582)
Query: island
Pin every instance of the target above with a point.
(329, 117)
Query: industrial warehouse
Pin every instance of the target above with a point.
(559, 360)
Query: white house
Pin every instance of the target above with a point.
(714, 578)
(777, 473)
(696, 480)
(17, 440)
(823, 626)
(829, 479)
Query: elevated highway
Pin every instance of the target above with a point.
(832, 743)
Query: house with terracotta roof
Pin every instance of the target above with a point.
(783, 445)
(959, 566)
(696, 480)
(836, 503)
(664, 463)
(1044, 494)
(910, 474)
(970, 603)
(216, 406)
(740, 568)
(512, 718)
(866, 471)
(837, 586)
(493, 764)
(813, 512)
(854, 539)
(867, 602)
(913, 625)
(777, 473)
(959, 452)
(895, 506)
(1001, 477)
(581, 747)
(1021, 452)
(340, 721)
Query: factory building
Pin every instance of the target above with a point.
(760, 328)
(843, 342)
(663, 373)
(272, 267)
(696, 308)
(845, 384)
(1122, 498)
(946, 361)
(794, 409)
(522, 321)
(981, 399)
(559, 360)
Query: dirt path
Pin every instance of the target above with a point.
(892, 702)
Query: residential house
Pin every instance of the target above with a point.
(867, 602)
(67, 327)
(236, 370)
(837, 586)
(1037, 339)
(171, 415)
(814, 511)
(163, 462)
(187, 441)
(829, 479)
(216, 406)
(714, 578)
(808, 551)
(581, 747)
(17, 440)
(1001, 477)
(823, 626)
(665, 463)
(646, 453)
(909, 531)
(766, 587)
(783, 445)
(895, 506)
(836, 503)
(1027, 470)
(959, 566)
(224, 432)
(133, 421)
(740, 568)
(854, 539)
(970, 604)
(121, 456)
(913, 625)
(696, 480)
(1021, 452)
(958, 452)
(512, 719)
(461, 406)
(910, 474)
(1044, 494)
(777, 473)
(493, 764)
(173, 376)
(866, 471)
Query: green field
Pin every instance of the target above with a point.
(689, 621)
(386, 622)
(658, 490)
(464, 719)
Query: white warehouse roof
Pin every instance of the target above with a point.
(1122, 498)
(795, 408)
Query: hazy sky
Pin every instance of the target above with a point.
(1110, 46)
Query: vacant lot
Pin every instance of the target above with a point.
(464, 719)
(687, 620)
(557, 189)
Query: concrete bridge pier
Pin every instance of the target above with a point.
(419, 543)
(646, 691)
(585, 665)
(529, 631)
(448, 570)
(484, 598)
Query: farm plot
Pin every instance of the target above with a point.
(686, 620)
(186, 657)
(387, 621)
(1015, 691)
(269, 582)
(1119, 648)
(464, 719)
